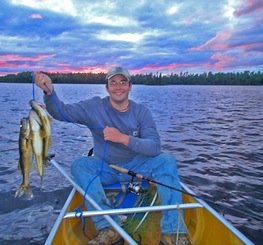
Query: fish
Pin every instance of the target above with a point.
(45, 119)
(37, 140)
(25, 163)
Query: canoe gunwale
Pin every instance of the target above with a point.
(135, 210)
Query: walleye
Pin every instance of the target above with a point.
(34, 140)
(37, 140)
(25, 159)
(45, 121)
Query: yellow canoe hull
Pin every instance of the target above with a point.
(204, 227)
(70, 230)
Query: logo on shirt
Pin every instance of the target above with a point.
(135, 133)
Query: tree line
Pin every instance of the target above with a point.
(220, 78)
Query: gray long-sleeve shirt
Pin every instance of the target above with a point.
(97, 113)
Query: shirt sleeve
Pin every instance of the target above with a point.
(73, 113)
(148, 142)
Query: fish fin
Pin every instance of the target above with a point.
(39, 162)
(29, 192)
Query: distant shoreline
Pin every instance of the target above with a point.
(230, 78)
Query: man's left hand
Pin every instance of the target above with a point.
(114, 135)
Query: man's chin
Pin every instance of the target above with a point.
(119, 99)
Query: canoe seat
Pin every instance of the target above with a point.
(121, 195)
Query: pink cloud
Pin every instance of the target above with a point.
(92, 69)
(251, 6)
(5, 64)
(258, 46)
(18, 62)
(35, 16)
(67, 68)
(222, 61)
(230, 61)
(19, 58)
(219, 42)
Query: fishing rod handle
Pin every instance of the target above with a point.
(119, 169)
(126, 171)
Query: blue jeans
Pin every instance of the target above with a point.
(161, 168)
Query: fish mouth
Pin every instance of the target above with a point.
(32, 102)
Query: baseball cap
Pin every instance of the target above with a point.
(118, 71)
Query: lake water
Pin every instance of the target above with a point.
(215, 133)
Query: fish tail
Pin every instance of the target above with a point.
(24, 189)
(29, 192)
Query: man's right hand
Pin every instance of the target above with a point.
(44, 82)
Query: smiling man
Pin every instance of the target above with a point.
(124, 134)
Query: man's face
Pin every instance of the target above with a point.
(118, 88)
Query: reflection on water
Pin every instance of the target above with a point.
(215, 133)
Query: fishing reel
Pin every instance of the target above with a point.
(135, 188)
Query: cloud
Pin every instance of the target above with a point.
(145, 36)
(35, 16)
(219, 42)
(22, 63)
(14, 58)
(231, 60)
(63, 7)
(250, 7)
(122, 37)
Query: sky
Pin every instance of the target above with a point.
(145, 36)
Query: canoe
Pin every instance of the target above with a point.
(204, 225)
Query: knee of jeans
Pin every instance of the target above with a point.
(77, 165)
(168, 159)
(167, 162)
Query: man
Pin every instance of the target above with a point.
(124, 134)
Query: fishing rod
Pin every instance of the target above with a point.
(142, 177)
